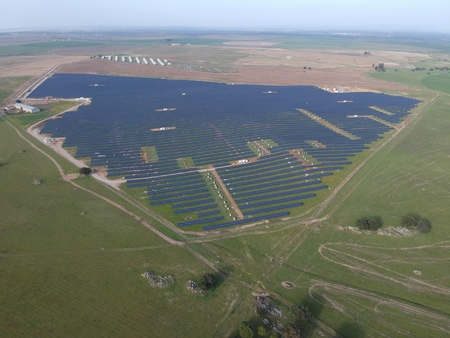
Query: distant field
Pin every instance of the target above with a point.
(41, 47)
(366, 43)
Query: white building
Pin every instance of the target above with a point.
(26, 108)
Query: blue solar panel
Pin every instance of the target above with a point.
(214, 125)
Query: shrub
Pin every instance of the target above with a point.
(368, 223)
(262, 331)
(423, 227)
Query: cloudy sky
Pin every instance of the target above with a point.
(417, 15)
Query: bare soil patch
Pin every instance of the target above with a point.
(33, 65)
(72, 176)
(288, 285)
(102, 171)
(245, 74)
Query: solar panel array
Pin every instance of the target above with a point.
(212, 124)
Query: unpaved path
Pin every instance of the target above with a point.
(227, 193)
(405, 308)
(263, 149)
(367, 267)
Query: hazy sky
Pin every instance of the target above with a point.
(427, 15)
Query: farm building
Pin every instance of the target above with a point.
(26, 108)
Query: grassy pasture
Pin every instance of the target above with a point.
(103, 294)
(9, 84)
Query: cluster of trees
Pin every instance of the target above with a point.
(379, 67)
(431, 69)
(411, 222)
(368, 223)
(366, 53)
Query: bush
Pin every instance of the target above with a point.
(368, 223)
(423, 227)
(262, 331)
(245, 331)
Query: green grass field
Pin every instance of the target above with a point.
(9, 84)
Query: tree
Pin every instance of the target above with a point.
(368, 223)
(85, 171)
(381, 66)
(262, 331)
(292, 331)
(409, 221)
(301, 312)
(245, 331)
(207, 282)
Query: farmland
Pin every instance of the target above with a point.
(73, 260)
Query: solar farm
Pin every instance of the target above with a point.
(222, 154)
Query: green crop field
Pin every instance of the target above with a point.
(71, 260)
